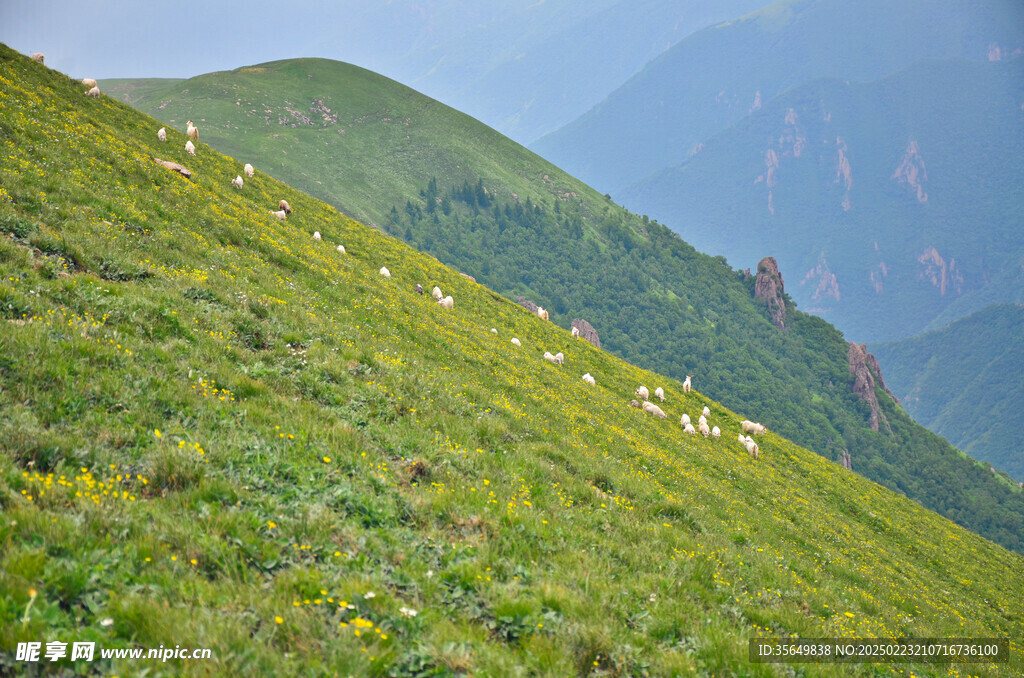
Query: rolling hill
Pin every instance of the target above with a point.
(492, 209)
(864, 193)
(963, 382)
(714, 78)
(218, 431)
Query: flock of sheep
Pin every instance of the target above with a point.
(284, 209)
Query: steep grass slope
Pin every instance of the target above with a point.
(963, 382)
(219, 432)
(462, 192)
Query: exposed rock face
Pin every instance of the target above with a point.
(527, 304)
(862, 365)
(942, 275)
(587, 331)
(846, 461)
(844, 175)
(768, 288)
(876, 370)
(826, 285)
(912, 171)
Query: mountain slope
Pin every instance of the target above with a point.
(478, 202)
(963, 382)
(220, 432)
(717, 76)
(863, 193)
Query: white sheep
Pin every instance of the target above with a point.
(447, 302)
(589, 379)
(752, 447)
(385, 272)
(706, 411)
(249, 171)
(237, 182)
(743, 441)
(686, 384)
(660, 393)
(283, 205)
(751, 427)
(279, 214)
(654, 409)
(190, 148)
(39, 57)
(575, 332)
(542, 313)
(560, 358)
(191, 131)
(684, 420)
(704, 430)
(551, 358)
(436, 293)
(716, 432)
(690, 429)
(89, 82)
(161, 134)
(94, 92)
(316, 235)
(643, 392)
(341, 249)
(702, 420)
(516, 342)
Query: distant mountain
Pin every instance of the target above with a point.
(717, 76)
(490, 208)
(964, 383)
(888, 202)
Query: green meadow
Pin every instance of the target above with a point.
(220, 432)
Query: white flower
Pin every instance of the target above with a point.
(430, 573)
(106, 622)
(369, 594)
(408, 612)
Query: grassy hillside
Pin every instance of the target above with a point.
(716, 77)
(862, 193)
(963, 382)
(219, 432)
(490, 208)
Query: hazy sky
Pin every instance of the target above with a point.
(133, 38)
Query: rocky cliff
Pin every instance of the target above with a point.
(867, 373)
(587, 331)
(768, 287)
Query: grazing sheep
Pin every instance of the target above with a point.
(575, 333)
(39, 57)
(660, 393)
(447, 302)
(716, 432)
(190, 148)
(702, 419)
(249, 171)
(633, 403)
(436, 293)
(684, 420)
(283, 205)
(642, 392)
(94, 92)
(704, 430)
(237, 183)
(751, 427)
(654, 409)
(553, 359)
(385, 272)
(516, 342)
(418, 288)
(743, 441)
(686, 384)
(89, 82)
(161, 134)
(690, 429)
(542, 313)
(341, 248)
(706, 411)
(589, 379)
(560, 358)
(316, 235)
(752, 447)
(191, 131)
(494, 331)
(279, 214)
